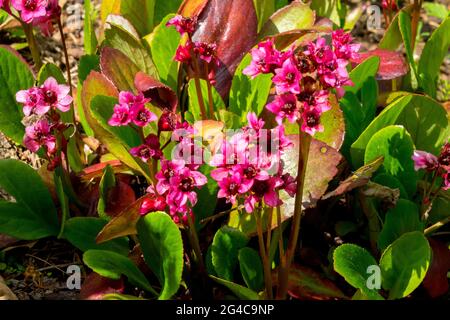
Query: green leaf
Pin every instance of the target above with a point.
(362, 72)
(437, 10)
(15, 75)
(251, 268)
(424, 118)
(109, 7)
(163, 8)
(352, 262)
(333, 10)
(102, 108)
(163, 43)
(90, 39)
(113, 265)
(162, 246)
(50, 70)
(225, 249)
(433, 54)
(33, 214)
(194, 99)
(248, 95)
(82, 231)
(140, 13)
(396, 146)
(402, 219)
(63, 200)
(264, 9)
(404, 22)
(118, 38)
(107, 182)
(404, 264)
(87, 64)
(392, 38)
(297, 15)
(240, 291)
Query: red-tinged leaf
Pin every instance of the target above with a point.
(232, 25)
(307, 284)
(392, 64)
(192, 8)
(96, 170)
(162, 96)
(118, 68)
(436, 281)
(119, 199)
(95, 287)
(122, 225)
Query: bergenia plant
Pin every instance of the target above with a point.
(216, 149)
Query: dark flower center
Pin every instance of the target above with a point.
(306, 97)
(250, 172)
(260, 188)
(290, 77)
(309, 85)
(145, 153)
(50, 97)
(288, 108)
(30, 5)
(233, 188)
(187, 184)
(169, 173)
(142, 116)
(312, 119)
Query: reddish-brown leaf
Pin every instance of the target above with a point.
(192, 8)
(436, 281)
(118, 68)
(96, 170)
(392, 64)
(232, 25)
(161, 95)
(95, 287)
(119, 199)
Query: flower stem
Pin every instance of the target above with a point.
(195, 243)
(210, 98)
(436, 226)
(264, 255)
(66, 54)
(415, 21)
(198, 87)
(304, 146)
(32, 44)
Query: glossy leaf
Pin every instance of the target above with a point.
(392, 38)
(362, 72)
(113, 265)
(161, 95)
(251, 268)
(81, 233)
(15, 75)
(404, 22)
(352, 262)
(118, 68)
(162, 246)
(225, 249)
(404, 264)
(396, 146)
(140, 13)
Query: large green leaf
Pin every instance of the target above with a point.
(140, 13)
(395, 145)
(50, 70)
(225, 249)
(15, 75)
(90, 38)
(335, 10)
(352, 262)
(424, 118)
(162, 246)
(404, 23)
(362, 72)
(118, 38)
(434, 52)
(33, 214)
(248, 95)
(264, 9)
(402, 219)
(251, 268)
(163, 43)
(392, 38)
(404, 264)
(163, 8)
(297, 15)
(113, 265)
(82, 231)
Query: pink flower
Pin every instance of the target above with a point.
(343, 48)
(265, 59)
(46, 23)
(231, 187)
(39, 135)
(287, 78)
(319, 51)
(183, 53)
(444, 157)
(168, 121)
(446, 178)
(31, 100)
(149, 150)
(255, 123)
(182, 25)
(141, 116)
(289, 184)
(132, 100)
(153, 202)
(207, 52)
(182, 187)
(424, 160)
(56, 95)
(30, 9)
(121, 116)
(285, 107)
(334, 73)
(168, 170)
(311, 121)
(264, 190)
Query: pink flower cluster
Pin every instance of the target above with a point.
(246, 166)
(439, 166)
(303, 79)
(41, 13)
(41, 103)
(194, 50)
